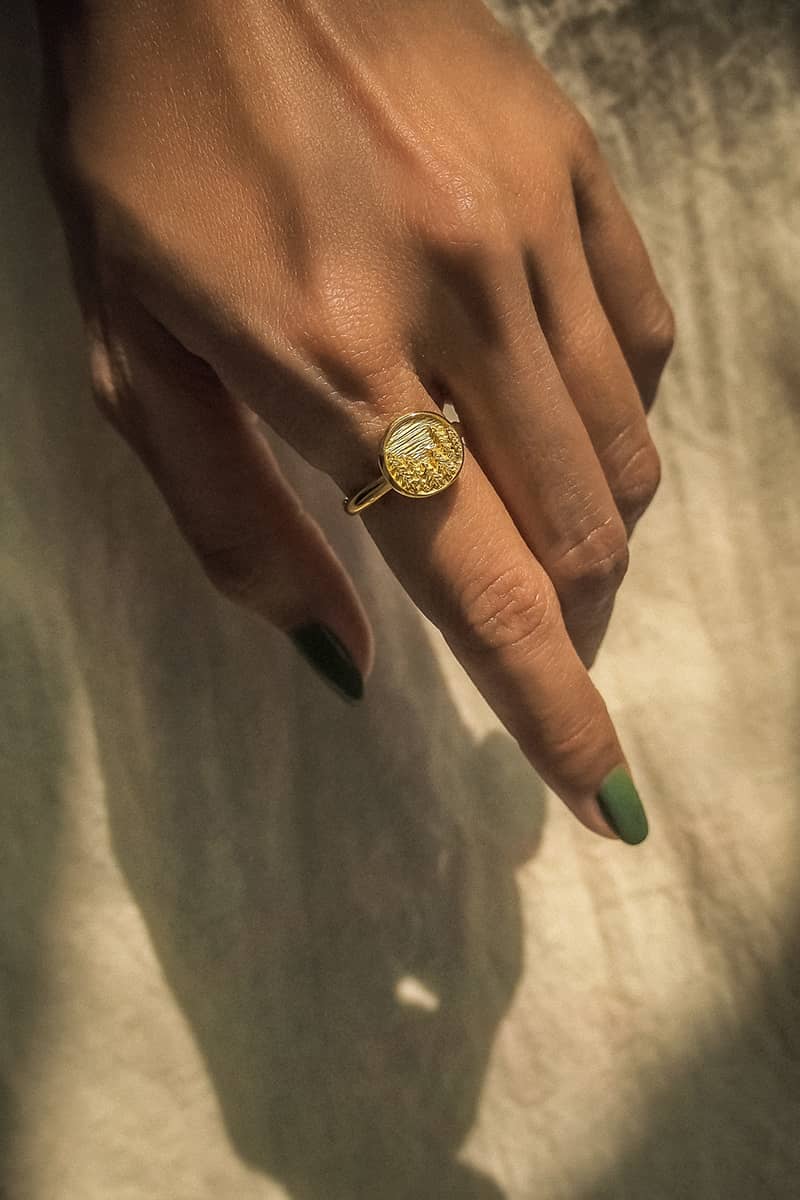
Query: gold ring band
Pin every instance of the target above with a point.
(421, 454)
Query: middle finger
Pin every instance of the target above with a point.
(528, 436)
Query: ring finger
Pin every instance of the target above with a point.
(594, 368)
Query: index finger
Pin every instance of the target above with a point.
(463, 561)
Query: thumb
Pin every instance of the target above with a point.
(220, 478)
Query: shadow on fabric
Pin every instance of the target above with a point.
(329, 888)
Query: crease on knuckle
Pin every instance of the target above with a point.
(657, 334)
(508, 614)
(578, 747)
(638, 482)
(593, 568)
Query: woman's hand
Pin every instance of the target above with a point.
(325, 213)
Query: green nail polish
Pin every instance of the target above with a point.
(620, 804)
(325, 651)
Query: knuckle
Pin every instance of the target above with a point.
(344, 334)
(658, 328)
(593, 567)
(112, 398)
(101, 374)
(507, 613)
(328, 326)
(464, 211)
(638, 482)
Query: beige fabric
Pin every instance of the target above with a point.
(256, 943)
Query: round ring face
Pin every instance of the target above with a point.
(421, 454)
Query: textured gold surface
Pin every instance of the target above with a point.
(422, 454)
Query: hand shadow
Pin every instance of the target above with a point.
(329, 888)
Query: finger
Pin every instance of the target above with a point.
(530, 441)
(623, 274)
(468, 568)
(220, 478)
(594, 369)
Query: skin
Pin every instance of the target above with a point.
(325, 213)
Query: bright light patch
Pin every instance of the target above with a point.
(413, 993)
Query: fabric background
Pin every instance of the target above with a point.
(257, 943)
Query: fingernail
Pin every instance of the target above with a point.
(620, 805)
(325, 651)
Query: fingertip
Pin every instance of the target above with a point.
(621, 806)
(326, 652)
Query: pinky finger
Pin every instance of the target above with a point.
(217, 473)
(623, 274)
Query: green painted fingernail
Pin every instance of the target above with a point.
(325, 651)
(620, 804)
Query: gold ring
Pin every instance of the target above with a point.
(421, 454)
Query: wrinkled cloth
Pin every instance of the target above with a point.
(259, 943)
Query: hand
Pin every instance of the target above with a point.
(324, 213)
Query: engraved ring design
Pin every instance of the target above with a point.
(421, 454)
